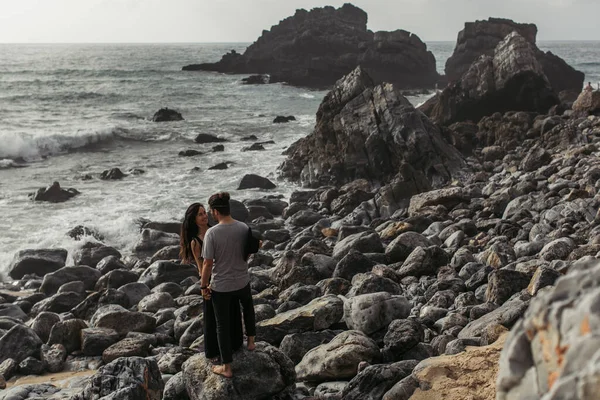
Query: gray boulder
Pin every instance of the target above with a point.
(53, 281)
(19, 343)
(39, 262)
(92, 253)
(122, 321)
(167, 271)
(369, 313)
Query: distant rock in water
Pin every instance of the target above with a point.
(256, 80)
(316, 48)
(249, 138)
(166, 115)
(510, 80)
(204, 138)
(252, 181)
(218, 148)
(254, 147)
(482, 37)
(80, 231)
(281, 119)
(54, 194)
(39, 262)
(370, 132)
(219, 166)
(190, 153)
(112, 174)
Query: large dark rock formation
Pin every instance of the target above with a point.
(315, 48)
(481, 38)
(370, 132)
(512, 79)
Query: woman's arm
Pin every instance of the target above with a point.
(197, 252)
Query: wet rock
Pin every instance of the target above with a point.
(75, 286)
(251, 181)
(115, 279)
(330, 390)
(54, 194)
(123, 321)
(126, 378)
(204, 138)
(283, 119)
(39, 262)
(7, 368)
(354, 262)
(219, 166)
(369, 313)
(156, 301)
(92, 253)
(112, 174)
(153, 241)
(31, 366)
(54, 357)
(190, 153)
(338, 359)
(12, 311)
(58, 303)
(305, 218)
(263, 373)
(166, 115)
(81, 231)
(175, 388)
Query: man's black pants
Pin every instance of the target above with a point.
(222, 305)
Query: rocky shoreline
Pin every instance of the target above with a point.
(420, 238)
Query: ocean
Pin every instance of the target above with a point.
(72, 110)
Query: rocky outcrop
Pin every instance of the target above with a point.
(166, 114)
(481, 38)
(54, 194)
(552, 352)
(511, 79)
(371, 132)
(316, 48)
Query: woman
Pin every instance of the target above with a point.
(193, 229)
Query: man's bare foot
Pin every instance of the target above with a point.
(222, 370)
(251, 344)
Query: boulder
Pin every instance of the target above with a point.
(31, 366)
(68, 334)
(251, 181)
(95, 340)
(43, 323)
(112, 174)
(447, 197)
(553, 351)
(263, 373)
(135, 292)
(58, 303)
(19, 343)
(588, 103)
(376, 380)
(257, 79)
(402, 336)
(54, 194)
(204, 138)
(166, 115)
(365, 242)
(506, 315)
(81, 231)
(404, 245)
(53, 281)
(371, 132)
(39, 262)
(503, 283)
(115, 279)
(481, 38)
(166, 271)
(296, 345)
(54, 357)
(338, 359)
(132, 378)
(122, 321)
(153, 241)
(92, 253)
(13, 311)
(369, 313)
(280, 119)
(190, 153)
(511, 79)
(319, 314)
(156, 301)
(315, 48)
(129, 347)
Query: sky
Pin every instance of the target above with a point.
(173, 21)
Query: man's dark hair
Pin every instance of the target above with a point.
(220, 202)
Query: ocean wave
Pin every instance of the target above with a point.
(9, 163)
(67, 98)
(34, 147)
(589, 64)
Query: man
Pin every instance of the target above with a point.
(224, 257)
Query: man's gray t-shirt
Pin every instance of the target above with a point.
(225, 244)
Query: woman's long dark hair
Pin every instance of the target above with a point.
(189, 230)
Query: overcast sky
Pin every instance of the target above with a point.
(67, 21)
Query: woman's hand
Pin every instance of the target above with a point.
(206, 293)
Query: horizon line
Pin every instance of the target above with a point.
(242, 42)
